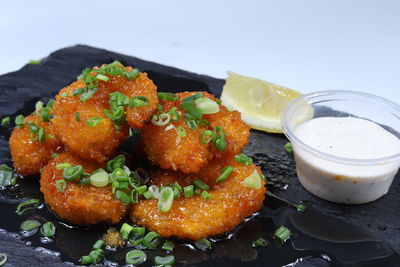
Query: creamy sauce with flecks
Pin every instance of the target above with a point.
(351, 138)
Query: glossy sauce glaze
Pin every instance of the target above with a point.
(351, 139)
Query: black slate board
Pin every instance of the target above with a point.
(20, 90)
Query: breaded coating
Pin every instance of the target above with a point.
(79, 204)
(194, 218)
(28, 155)
(102, 140)
(188, 154)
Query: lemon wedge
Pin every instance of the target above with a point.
(261, 103)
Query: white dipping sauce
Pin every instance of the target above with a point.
(345, 137)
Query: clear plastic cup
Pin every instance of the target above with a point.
(340, 179)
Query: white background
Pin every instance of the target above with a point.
(307, 45)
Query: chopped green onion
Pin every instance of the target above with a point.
(243, 159)
(99, 244)
(203, 244)
(162, 119)
(29, 225)
(139, 101)
(191, 111)
(96, 255)
(5, 121)
(200, 184)
(99, 179)
(204, 122)
(45, 114)
(219, 138)
(174, 114)
(34, 62)
(188, 191)
(206, 105)
(64, 95)
(300, 208)
(205, 195)
(19, 120)
(226, 171)
(50, 104)
(71, 174)
(84, 181)
(3, 259)
(93, 121)
(197, 191)
(88, 94)
(62, 166)
(148, 195)
(219, 101)
(177, 190)
(166, 199)
(261, 242)
(282, 233)
(119, 175)
(27, 205)
(86, 259)
(41, 135)
(289, 147)
(126, 229)
(164, 261)
(102, 77)
(168, 245)
(139, 230)
(135, 257)
(167, 96)
(181, 131)
(7, 176)
(192, 97)
(206, 136)
(117, 162)
(78, 91)
(192, 124)
(77, 116)
(141, 189)
(134, 196)
(253, 180)
(38, 107)
(152, 240)
(61, 185)
(123, 197)
(48, 229)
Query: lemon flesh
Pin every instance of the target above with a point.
(261, 103)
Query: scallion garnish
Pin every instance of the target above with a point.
(164, 261)
(188, 191)
(117, 162)
(177, 190)
(61, 185)
(64, 95)
(84, 181)
(86, 259)
(96, 256)
(71, 174)
(34, 62)
(168, 246)
(99, 244)
(167, 96)
(5, 121)
(135, 257)
(200, 184)
(226, 171)
(3, 259)
(19, 121)
(253, 180)
(93, 121)
(99, 179)
(161, 119)
(205, 195)
(206, 137)
(45, 114)
(282, 233)
(193, 97)
(206, 105)
(203, 244)
(152, 240)
(123, 197)
(77, 116)
(219, 138)
(48, 229)
(148, 195)
(102, 77)
(181, 131)
(300, 208)
(7, 176)
(166, 199)
(289, 147)
(30, 225)
(62, 166)
(50, 103)
(139, 101)
(243, 159)
(27, 205)
(126, 229)
(261, 242)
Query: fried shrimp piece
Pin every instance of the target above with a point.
(194, 217)
(85, 128)
(188, 153)
(28, 153)
(79, 204)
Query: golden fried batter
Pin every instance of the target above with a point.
(194, 217)
(79, 204)
(188, 154)
(100, 141)
(29, 156)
